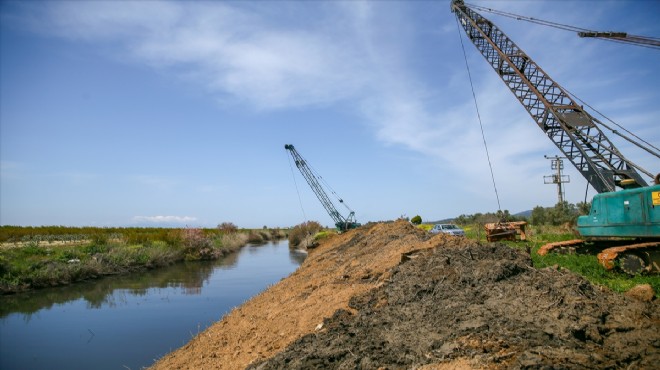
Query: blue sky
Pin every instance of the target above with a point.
(158, 113)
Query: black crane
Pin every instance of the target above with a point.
(573, 130)
(342, 223)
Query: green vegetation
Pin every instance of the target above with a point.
(560, 214)
(31, 257)
(321, 235)
(585, 265)
(482, 218)
(553, 224)
(416, 220)
(304, 233)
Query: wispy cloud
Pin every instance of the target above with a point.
(350, 54)
(242, 54)
(238, 54)
(164, 219)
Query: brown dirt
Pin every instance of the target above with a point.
(450, 303)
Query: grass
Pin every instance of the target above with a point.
(36, 264)
(585, 265)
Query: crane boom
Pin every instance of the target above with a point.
(573, 130)
(342, 223)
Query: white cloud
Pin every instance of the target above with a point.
(164, 219)
(356, 53)
(231, 51)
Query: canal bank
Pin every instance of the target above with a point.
(40, 261)
(392, 296)
(128, 321)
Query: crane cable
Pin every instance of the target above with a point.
(474, 96)
(296, 183)
(620, 37)
(648, 149)
(651, 42)
(332, 191)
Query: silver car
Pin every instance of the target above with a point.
(450, 229)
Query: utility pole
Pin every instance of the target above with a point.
(557, 164)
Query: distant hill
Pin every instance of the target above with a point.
(525, 214)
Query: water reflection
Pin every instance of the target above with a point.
(188, 276)
(297, 256)
(101, 324)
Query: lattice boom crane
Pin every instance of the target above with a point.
(574, 131)
(625, 223)
(342, 223)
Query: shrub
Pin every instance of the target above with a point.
(416, 220)
(277, 234)
(196, 244)
(303, 231)
(227, 228)
(255, 237)
(233, 241)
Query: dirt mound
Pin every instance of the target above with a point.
(466, 305)
(340, 268)
(391, 296)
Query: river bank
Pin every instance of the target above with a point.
(35, 262)
(393, 296)
(126, 321)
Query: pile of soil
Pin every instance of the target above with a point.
(388, 296)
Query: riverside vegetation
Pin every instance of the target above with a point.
(37, 257)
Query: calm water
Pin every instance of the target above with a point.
(130, 321)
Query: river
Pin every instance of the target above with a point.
(128, 322)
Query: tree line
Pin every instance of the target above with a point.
(562, 213)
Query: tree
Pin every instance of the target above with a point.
(539, 216)
(584, 208)
(416, 220)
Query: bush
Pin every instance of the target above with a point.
(227, 228)
(233, 241)
(255, 237)
(416, 220)
(277, 234)
(197, 245)
(303, 231)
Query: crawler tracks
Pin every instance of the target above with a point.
(625, 255)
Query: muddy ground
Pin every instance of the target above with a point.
(389, 296)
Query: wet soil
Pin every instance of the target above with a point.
(389, 296)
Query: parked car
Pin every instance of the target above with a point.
(450, 229)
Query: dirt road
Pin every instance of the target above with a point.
(390, 296)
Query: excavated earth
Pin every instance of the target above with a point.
(390, 296)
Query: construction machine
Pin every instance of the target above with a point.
(625, 215)
(342, 223)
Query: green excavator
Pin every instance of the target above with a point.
(624, 221)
